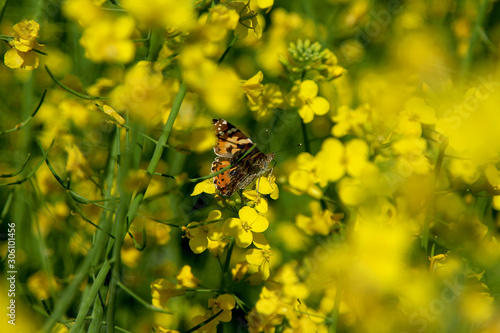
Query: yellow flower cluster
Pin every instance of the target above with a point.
(22, 54)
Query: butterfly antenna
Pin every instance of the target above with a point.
(268, 141)
(279, 151)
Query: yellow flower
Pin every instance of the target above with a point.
(267, 185)
(41, 285)
(306, 98)
(302, 181)
(162, 13)
(321, 222)
(77, 163)
(206, 186)
(109, 40)
(22, 54)
(200, 233)
(111, 112)
(225, 303)
(334, 160)
(270, 99)
(162, 290)
(243, 228)
(258, 202)
(223, 16)
(239, 271)
(248, 19)
(25, 34)
(220, 87)
(349, 121)
(260, 256)
(186, 278)
(253, 87)
(86, 12)
(264, 4)
(146, 94)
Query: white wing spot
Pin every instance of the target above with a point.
(224, 122)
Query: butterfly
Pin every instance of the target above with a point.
(231, 145)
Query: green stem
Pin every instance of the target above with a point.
(476, 32)
(203, 323)
(140, 300)
(89, 299)
(122, 223)
(68, 89)
(307, 144)
(336, 305)
(24, 123)
(429, 214)
(155, 44)
(3, 5)
(230, 46)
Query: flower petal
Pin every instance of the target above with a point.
(320, 106)
(308, 89)
(260, 224)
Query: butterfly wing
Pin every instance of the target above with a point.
(222, 180)
(231, 146)
(229, 139)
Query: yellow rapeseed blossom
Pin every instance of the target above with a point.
(253, 87)
(220, 87)
(349, 121)
(42, 285)
(321, 222)
(270, 99)
(112, 113)
(305, 97)
(22, 54)
(244, 227)
(162, 290)
(200, 233)
(206, 186)
(85, 12)
(77, 163)
(248, 19)
(186, 278)
(260, 256)
(162, 13)
(225, 303)
(109, 40)
(145, 94)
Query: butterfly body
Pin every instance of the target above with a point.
(231, 145)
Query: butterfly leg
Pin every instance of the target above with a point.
(258, 184)
(269, 178)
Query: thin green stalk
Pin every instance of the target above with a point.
(24, 123)
(307, 145)
(476, 34)
(140, 300)
(167, 129)
(68, 89)
(89, 299)
(92, 258)
(134, 206)
(429, 214)
(203, 323)
(155, 44)
(228, 49)
(120, 226)
(3, 5)
(336, 305)
(15, 173)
